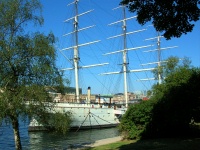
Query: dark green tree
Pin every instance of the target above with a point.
(173, 17)
(170, 65)
(27, 65)
(177, 103)
(171, 108)
(135, 120)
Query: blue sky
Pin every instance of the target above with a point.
(56, 11)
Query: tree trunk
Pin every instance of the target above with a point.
(15, 125)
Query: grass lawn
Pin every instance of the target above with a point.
(153, 144)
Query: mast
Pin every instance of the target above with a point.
(76, 47)
(159, 60)
(124, 57)
(76, 53)
(125, 70)
(158, 50)
(159, 57)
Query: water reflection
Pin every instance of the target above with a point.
(45, 140)
(50, 140)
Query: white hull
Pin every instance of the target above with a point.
(86, 116)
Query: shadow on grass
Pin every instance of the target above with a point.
(187, 142)
(164, 144)
(153, 144)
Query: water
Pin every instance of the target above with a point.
(51, 140)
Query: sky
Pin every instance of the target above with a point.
(56, 11)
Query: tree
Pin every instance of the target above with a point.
(135, 120)
(170, 66)
(178, 103)
(27, 65)
(174, 17)
(171, 108)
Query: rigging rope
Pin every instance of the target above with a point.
(102, 119)
(82, 122)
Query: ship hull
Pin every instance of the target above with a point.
(84, 116)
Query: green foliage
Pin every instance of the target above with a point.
(15, 15)
(178, 105)
(27, 64)
(170, 110)
(136, 119)
(61, 121)
(171, 64)
(57, 121)
(173, 17)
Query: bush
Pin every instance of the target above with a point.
(136, 119)
(57, 121)
(169, 112)
(179, 104)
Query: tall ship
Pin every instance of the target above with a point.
(89, 111)
(86, 114)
